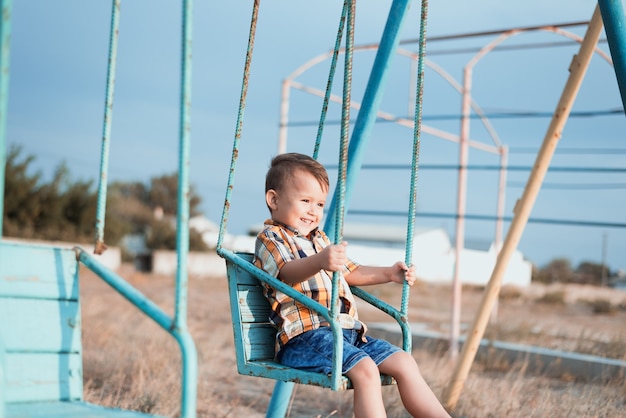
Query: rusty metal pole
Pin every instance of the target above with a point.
(6, 6)
(504, 157)
(497, 242)
(455, 316)
(284, 116)
(523, 207)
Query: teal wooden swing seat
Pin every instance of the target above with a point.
(41, 375)
(254, 335)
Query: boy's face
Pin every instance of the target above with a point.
(300, 202)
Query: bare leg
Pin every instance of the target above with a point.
(417, 397)
(368, 398)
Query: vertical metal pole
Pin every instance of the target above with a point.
(504, 156)
(239, 125)
(106, 129)
(455, 316)
(5, 53)
(284, 116)
(2, 378)
(615, 27)
(331, 75)
(523, 208)
(500, 216)
(605, 246)
(407, 339)
(190, 367)
(371, 102)
(279, 403)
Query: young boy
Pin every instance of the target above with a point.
(293, 249)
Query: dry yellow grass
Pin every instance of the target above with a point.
(129, 362)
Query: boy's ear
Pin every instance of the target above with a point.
(270, 199)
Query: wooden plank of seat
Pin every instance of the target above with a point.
(67, 410)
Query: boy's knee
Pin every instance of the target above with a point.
(364, 371)
(400, 363)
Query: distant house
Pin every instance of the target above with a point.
(210, 232)
(135, 246)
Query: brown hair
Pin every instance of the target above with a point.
(284, 165)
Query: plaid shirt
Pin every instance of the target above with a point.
(278, 244)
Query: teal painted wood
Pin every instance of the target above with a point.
(67, 410)
(258, 341)
(43, 377)
(2, 377)
(37, 271)
(40, 325)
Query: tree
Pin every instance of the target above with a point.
(590, 273)
(66, 210)
(130, 203)
(558, 270)
(21, 204)
(164, 194)
(58, 210)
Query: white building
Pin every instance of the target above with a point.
(372, 244)
(433, 254)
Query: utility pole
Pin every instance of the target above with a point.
(604, 265)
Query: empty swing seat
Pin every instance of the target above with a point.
(255, 336)
(41, 373)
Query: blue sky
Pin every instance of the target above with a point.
(57, 86)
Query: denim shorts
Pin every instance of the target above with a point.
(313, 350)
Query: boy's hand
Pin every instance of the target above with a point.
(333, 257)
(402, 273)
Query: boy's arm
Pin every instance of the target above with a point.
(331, 258)
(369, 275)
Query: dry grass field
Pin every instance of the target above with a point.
(131, 363)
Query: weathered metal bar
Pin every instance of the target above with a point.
(331, 77)
(417, 131)
(615, 27)
(5, 53)
(154, 312)
(279, 403)
(523, 208)
(239, 124)
(340, 190)
(2, 378)
(133, 295)
(182, 218)
(106, 129)
(190, 366)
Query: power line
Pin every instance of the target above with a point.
(573, 186)
(494, 115)
(528, 114)
(569, 222)
(528, 150)
(494, 32)
(604, 170)
(500, 48)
